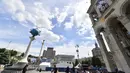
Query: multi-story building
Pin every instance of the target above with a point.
(97, 52)
(111, 20)
(49, 53)
(67, 58)
(64, 60)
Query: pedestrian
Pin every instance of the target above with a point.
(51, 70)
(116, 69)
(84, 71)
(73, 70)
(55, 70)
(97, 71)
(25, 68)
(67, 69)
(40, 70)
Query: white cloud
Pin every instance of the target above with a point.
(62, 17)
(13, 6)
(49, 36)
(20, 17)
(79, 19)
(36, 13)
(84, 49)
(56, 11)
(69, 25)
(62, 38)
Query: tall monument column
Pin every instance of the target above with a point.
(27, 50)
(34, 33)
(104, 52)
(20, 66)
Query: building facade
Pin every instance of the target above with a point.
(97, 52)
(111, 19)
(49, 53)
(64, 60)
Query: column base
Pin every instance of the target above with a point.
(18, 67)
(24, 60)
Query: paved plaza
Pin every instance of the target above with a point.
(40, 72)
(34, 71)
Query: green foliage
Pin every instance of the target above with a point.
(96, 62)
(22, 55)
(8, 56)
(3, 58)
(13, 53)
(85, 62)
(2, 50)
(76, 62)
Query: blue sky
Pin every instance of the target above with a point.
(64, 23)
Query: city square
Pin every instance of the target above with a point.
(65, 36)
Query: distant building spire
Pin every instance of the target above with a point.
(96, 46)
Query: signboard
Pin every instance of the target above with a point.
(102, 5)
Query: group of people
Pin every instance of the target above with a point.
(68, 70)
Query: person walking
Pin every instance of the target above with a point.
(73, 70)
(55, 70)
(97, 71)
(67, 69)
(25, 69)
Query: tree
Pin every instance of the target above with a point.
(76, 62)
(85, 61)
(2, 50)
(22, 55)
(7, 56)
(96, 61)
(13, 52)
(4, 58)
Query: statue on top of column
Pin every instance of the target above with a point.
(96, 46)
